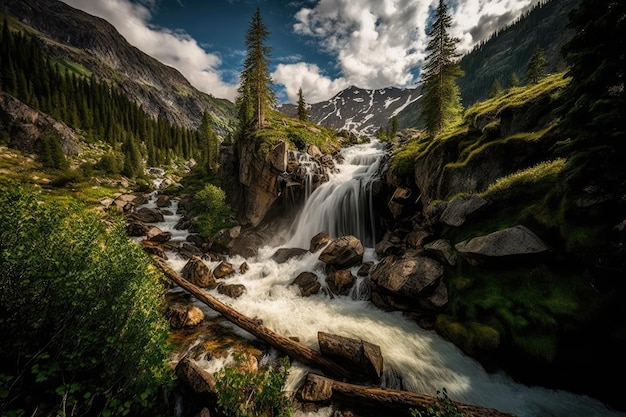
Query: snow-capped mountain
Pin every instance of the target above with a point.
(359, 110)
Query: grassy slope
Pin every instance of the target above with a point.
(530, 309)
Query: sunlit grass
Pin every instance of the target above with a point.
(543, 173)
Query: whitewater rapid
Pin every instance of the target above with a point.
(414, 359)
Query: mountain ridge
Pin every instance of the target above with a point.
(75, 37)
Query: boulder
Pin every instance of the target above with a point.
(184, 315)
(364, 270)
(163, 201)
(363, 356)
(154, 234)
(188, 250)
(340, 282)
(319, 241)
(223, 269)
(282, 255)
(224, 240)
(196, 272)
(153, 248)
(196, 378)
(411, 276)
(135, 228)
(232, 290)
(343, 252)
(308, 284)
(458, 209)
(148, 215)
(518, 241)
(442, 250)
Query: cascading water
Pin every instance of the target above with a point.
(414, 359)
(343, 205)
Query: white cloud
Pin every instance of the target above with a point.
(379, 43)
(315, 86)
(176, 49)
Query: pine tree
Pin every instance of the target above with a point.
(209, 142)
(513, 80)
(441, 103)
(303, 112)
(496, 89)
(256, 84)
(536, 68)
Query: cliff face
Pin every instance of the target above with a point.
(73, 36)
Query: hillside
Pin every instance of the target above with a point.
(90, 45)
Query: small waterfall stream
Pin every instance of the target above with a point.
(414, 359)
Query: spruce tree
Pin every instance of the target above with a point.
(441, 100)
(303, 112)
(513, 80)
(496, 89)
(209, 142)
(256, 84)
(536, 68)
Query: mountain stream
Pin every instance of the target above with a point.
(414, 359)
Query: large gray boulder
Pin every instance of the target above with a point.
(411, 276)
(518, 241)
(458, 209)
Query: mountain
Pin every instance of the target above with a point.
(90, 45)
(358, 110)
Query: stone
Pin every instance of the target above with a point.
(458, 209)
(340, 282)
(363, 356)
(148, 215)
(154, 234)
(232, 290)
(319, 241)
(343, 252)
(518, 241)
(135, 228)
(198, 273)
(223, 269)
(410, 275)
(442, 250)
(308, 284)
(282, 255)
(163, 201)
(181, 315)
(196, 378)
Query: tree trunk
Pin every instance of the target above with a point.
(379, 401)
(292, 348)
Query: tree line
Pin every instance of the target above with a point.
(95, 109)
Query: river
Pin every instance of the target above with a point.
(414, 359)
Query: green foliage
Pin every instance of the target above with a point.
(441, 99)
(536, 68)
(256, 96)
(210, 203)
(443, 407)
(303, 112)
(210, 143)
(79, 309)
(243, 393)
(51, 153)
(495, 89)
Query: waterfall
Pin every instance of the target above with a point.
(414, 359)
(343, 205)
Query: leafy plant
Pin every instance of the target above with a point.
(79, 307)
(244, 393)
(212, 208)
(443, 407)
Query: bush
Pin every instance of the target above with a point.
(210, 203)
(78, 313)
(444, 407)
(243, 393)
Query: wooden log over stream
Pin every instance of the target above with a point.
(317, 388)
(381, 401)
(295, 350)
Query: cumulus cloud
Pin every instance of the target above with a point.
(380, 43)
(377, 42)
(315, 86)
(176, 49)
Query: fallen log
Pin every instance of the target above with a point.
(380, 401)
(293, 349)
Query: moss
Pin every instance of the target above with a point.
(472, 337)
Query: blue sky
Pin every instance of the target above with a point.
(322, 46)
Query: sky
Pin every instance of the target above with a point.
(321, 46)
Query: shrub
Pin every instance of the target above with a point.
(243, 393)
(78, 312)
(210, 203)
(444, 407)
